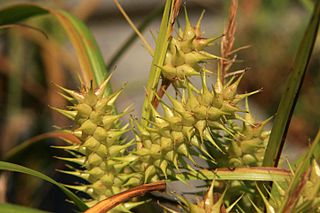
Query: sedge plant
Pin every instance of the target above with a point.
(205, 132)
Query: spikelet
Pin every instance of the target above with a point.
(211, 202)
(186, 53)
(183, 129)
(244, 147)
(247, 146)
(102, 152)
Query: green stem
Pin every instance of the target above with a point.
(125, 46)
(158, 59)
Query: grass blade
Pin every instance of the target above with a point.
(289, 98)
(125, 46)
(134, 28)
(13, 208)
(88, 53)
(21, 169)
(251, 174)
(158, 58)
(21, 12)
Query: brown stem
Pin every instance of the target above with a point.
(293, 199)
(111, 202)
(176, 10)
(228, 40)
(161, 91)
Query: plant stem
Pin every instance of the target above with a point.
(125, 46)
(113, 201)
(161, 91)
(158, 58)
(143, 39)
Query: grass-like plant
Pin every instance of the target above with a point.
(203, 133)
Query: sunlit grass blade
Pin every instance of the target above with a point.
(21, 169)
(12, 208)
(158, 58)
(290, 96)
(88, 53)
(133, 37)
(250, 174)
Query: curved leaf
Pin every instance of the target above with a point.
(17, 168)
(88, 53)
(20, 12)
(13, 208)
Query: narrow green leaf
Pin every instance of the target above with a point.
(13, 208)
(289, 98)
(17, 168)
(88, 53)
(250, 174)
(158, 58)
(16, 152)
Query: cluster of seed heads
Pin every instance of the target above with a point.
(188, 124)
(198, 124)
(186, 53)
(102, 151)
